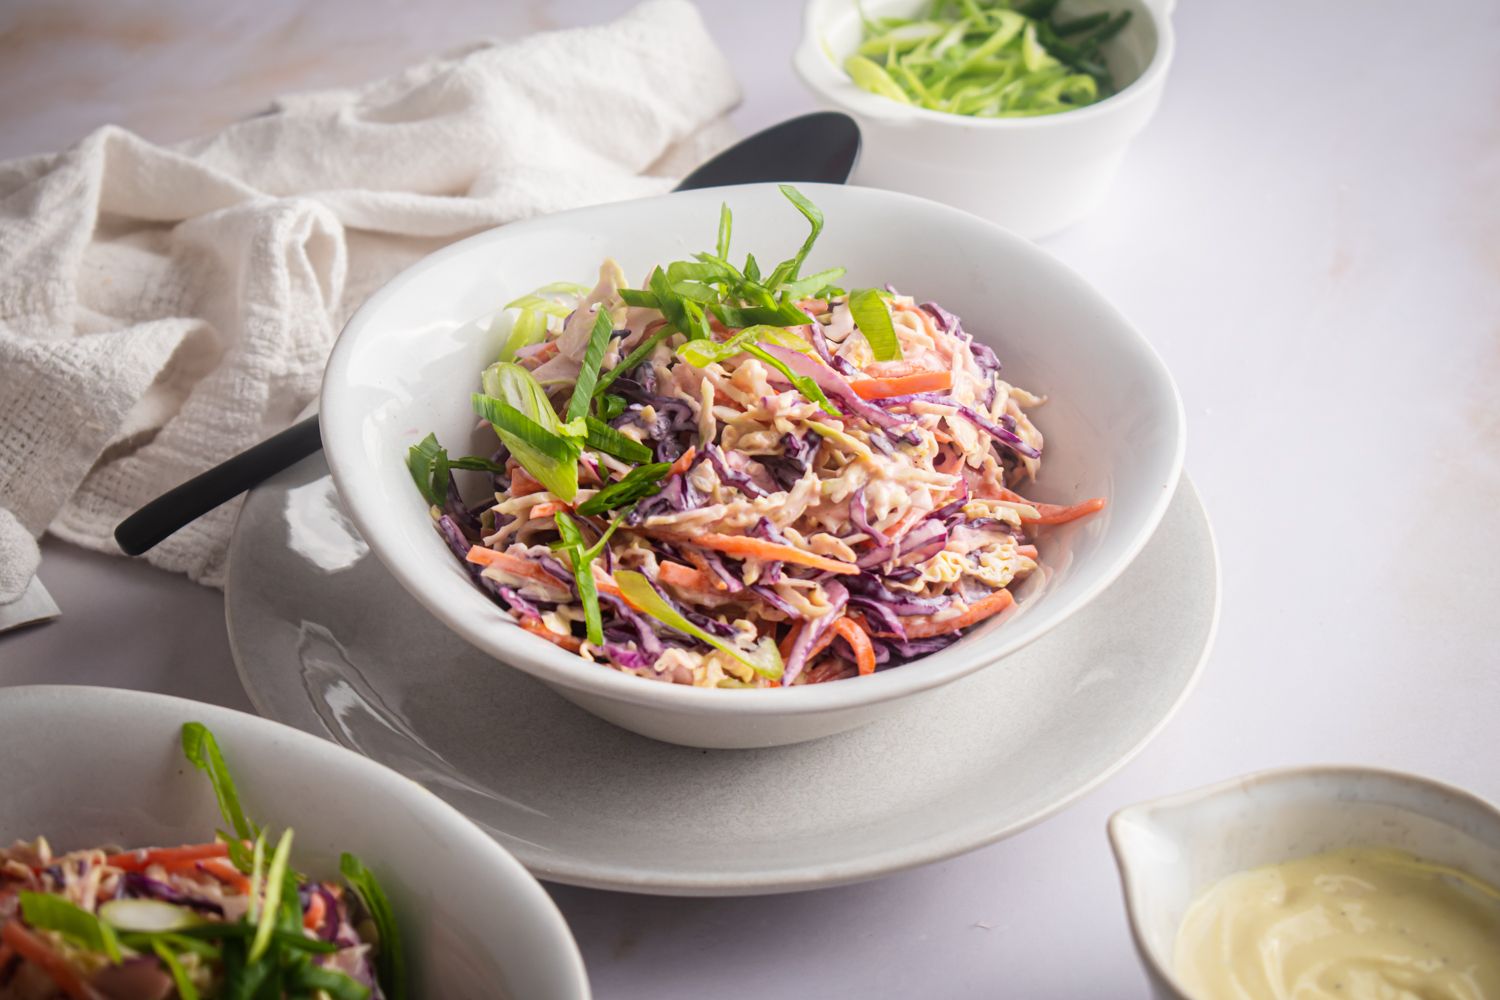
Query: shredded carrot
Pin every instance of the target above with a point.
(224, 871)
(1052, 513)
(922, 627)
(316, 911)
(813, 306)
(677, 575)
(514, 565)
(901, 385)
(523, 482)
(790, 639)
(542, 353)
(784, 647)
(536, 628)
(36, 950)
(547, 509)
(759, 548)
(906, 522)
(701, 564)
(682, 463)
(864, 652)
(135, 861)
(1029, 551)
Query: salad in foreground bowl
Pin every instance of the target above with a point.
(734, 477)
(229, 918)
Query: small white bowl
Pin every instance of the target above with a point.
(1172, 849)
(410, 357)
(1033, 175)
(86, 766)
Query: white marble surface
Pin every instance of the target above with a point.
(1309, 232)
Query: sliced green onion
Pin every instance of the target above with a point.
(602, 437)
(47, 912)
(872, 77)
(726, 220)
(551, 458)
(765, 660)
(812, 284)
(429, 464)
(202, 751)
(635, 357)
(593, 356)
(814, 217)
(563, 288)
(639, 297)
(529, 328)
(873, 317)
(640, 482)
(802, 383)
(146, 916)
(185, 988)
(539, 304)
(583, 576)
(271, 902)
(985, 58)
(390, 962)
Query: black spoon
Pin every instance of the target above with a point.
(820, 147)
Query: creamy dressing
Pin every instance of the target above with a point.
(1357, 924)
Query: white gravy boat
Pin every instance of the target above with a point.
(1171, 849)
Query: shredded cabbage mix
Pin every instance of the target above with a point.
(734, 479)
(988, 58)
(229, 918)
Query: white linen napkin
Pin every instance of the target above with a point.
(162, 308)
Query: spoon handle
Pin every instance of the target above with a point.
(225, 481)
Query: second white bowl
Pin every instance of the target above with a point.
(1034, 175)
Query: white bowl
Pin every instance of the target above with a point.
(87, 766)
(1171, 850)
(408, 360)
(1034, 175)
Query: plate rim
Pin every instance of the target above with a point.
(794, 878)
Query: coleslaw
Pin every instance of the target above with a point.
(729, 478)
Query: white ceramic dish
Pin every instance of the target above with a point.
(1172, 849)
(325, 640)
(1033, 175)
(87, 766)
(408, 360)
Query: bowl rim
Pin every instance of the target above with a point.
(813, 65)
(320, 754)
(339, 406)
(1130, 878)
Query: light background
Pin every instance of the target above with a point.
(1310, 234)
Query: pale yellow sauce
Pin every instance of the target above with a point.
(1358, 924)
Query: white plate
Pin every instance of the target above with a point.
(86, 766)
(327, 641)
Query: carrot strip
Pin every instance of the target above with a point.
(135, 861)
(683, 462)
(922, 627)
(784, 647)
(864, 652)
(514, 565)
(35, 949)
(546, 509)
(316, 911)
(759, 548)
(1029, 551)
(790, 639)
(1052, 513)
(902, 385)
(523, 482)
(224, 871)
(677, 575)
(536, 628)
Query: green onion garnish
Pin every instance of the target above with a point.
(873, 317)
(765, 660)
(391, 964)
(987, 59)
(640, 482)
(53, 913)
(593, 356)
